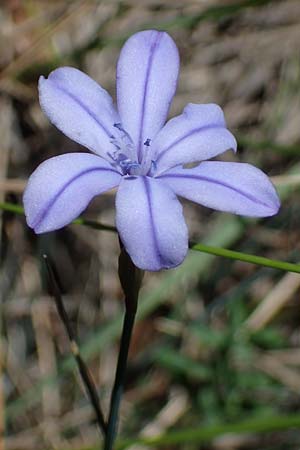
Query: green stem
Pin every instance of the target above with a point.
(119, 380)
(11, 207)
(130, 278)
(245, 257)
(18, 209)
(94, 224)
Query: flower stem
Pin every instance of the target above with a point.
(130, 278)
(119, 380)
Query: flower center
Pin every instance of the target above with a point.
(124, 157)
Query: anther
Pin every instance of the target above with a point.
(118, 126)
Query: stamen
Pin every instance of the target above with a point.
(122, 141)
(115, 142)
(153, 166)
(119, 126)
(124, 155)
(125, 134)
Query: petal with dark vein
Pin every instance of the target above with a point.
(147, 75)
(62, 187)
(150, 223)
(238, 188)
(80, 108)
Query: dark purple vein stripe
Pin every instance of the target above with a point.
(152, 221)
(83, 106)
(185, 136)
(218, 182)
(153, 49)
(45, 211)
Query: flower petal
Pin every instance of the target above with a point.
(62, 187)
(150, 223)
(233, 187)
(199, 133)
(80, 108)
(147, 75)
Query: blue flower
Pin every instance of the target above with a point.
(137, 152)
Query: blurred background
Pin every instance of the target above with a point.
(217, 341)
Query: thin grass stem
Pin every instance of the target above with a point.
(83, 370)
(217, 251)
(245, 257)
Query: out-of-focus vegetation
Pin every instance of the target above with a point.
(215, 359)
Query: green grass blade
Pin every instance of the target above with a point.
(246, 257)
(194, 435)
